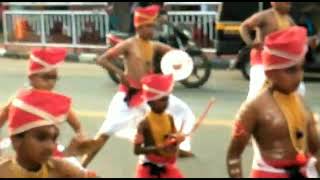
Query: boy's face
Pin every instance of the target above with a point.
(146, 31)
(36, 145)
(44, 81)
(286, 80)
(160, 105)
(283, 7)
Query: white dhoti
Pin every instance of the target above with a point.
(258, 78)
(122, 120)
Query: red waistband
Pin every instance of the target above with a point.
(256, 56)
(301, 160)
(264, 174)
(160, 159)
(136, 99)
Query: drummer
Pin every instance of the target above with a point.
(128, 105)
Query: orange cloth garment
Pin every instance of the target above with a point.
(293, 110)
(282, 21)
(161, 126)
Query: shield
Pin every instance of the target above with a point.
(178, 63)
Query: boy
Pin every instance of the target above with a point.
(127, 105)
(43, 75)
(156, 136)
(285, 142)
(33, 116)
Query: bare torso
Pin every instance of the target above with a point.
(271, 129)
(136, 65)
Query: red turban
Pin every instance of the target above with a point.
(285, 48)
(146, 15)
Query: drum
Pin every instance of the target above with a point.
(178, 63)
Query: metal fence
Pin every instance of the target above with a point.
(74, 29)
(201, 22)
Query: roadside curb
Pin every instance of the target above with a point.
(90, 58)
(82, 58)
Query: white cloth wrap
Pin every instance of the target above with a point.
(122, 121)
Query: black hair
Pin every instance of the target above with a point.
(163, 12)
(20, 135)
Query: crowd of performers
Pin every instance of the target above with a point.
(274, 117)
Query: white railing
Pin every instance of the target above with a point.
(201, 22)
(57, 28)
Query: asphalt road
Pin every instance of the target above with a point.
(92, 90)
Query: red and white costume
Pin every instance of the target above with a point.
(42, 60)
(46, 59)
(35, 108)
(283, 49)
(145, 15)
(156, 86)
(122, 119)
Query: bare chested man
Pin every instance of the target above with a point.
(264, 23)
(286, 143)
(127, 106)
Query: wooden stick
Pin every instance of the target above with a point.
(202, 117)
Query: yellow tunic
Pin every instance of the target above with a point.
(161, 126)
(20, 172)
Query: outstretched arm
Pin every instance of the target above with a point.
(162, 48)
(64, 169)
(74, 122)
(100, 140)
(242, 130)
